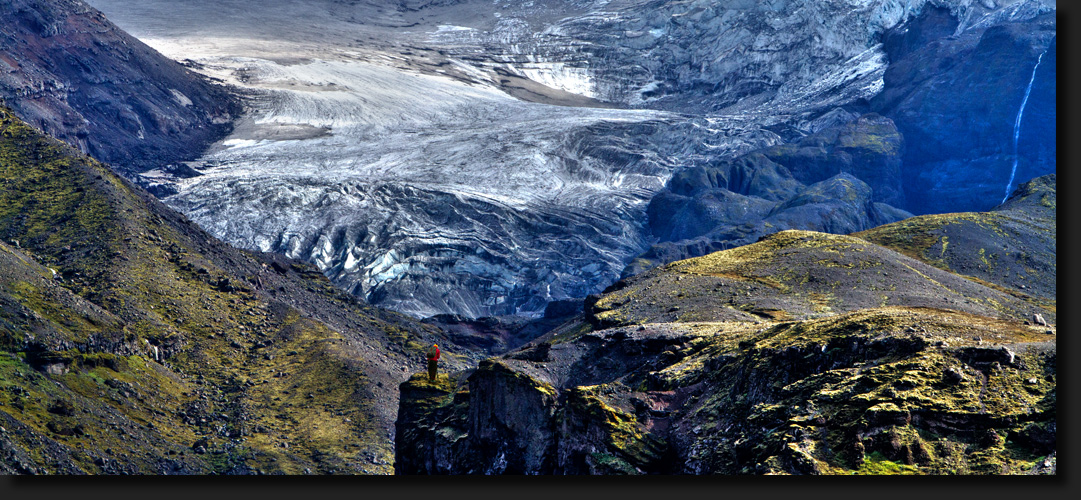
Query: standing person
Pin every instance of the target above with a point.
(433, 361)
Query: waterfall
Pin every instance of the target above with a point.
(1017, 125)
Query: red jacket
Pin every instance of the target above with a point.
(435, 356)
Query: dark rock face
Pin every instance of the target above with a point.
(498, 334)
(956, 100)
(870, 148)
(67, 70)
(814, 183)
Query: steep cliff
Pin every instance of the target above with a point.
(976, 108)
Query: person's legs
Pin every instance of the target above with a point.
(431, 369)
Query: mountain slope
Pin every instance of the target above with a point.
(1014, 246)
(133, 342)
(69, 71)
(794, 275)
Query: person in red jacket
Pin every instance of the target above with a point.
(433, 361)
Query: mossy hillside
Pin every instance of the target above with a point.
(265, 393)
(1012, 247)
(804, 353)
(319, 408)
(91, 419)
(794, 275)
(257, 363)
(838, 389)
(48, 200)
(35, 307)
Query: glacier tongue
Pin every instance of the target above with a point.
(428, 195)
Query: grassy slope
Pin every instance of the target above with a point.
(260, 362)
(796, 275)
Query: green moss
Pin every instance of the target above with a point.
(876, 464)
(608, 464)
(45, 202)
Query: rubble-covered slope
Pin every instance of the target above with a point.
(133, 342)
(804, 353)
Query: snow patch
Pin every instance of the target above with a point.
(180, 97)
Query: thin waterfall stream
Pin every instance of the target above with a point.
(1017, 125)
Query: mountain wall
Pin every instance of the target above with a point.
(69, 71)
(977, 109)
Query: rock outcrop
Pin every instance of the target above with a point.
(842, 179)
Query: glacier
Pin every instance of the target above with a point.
(484, 158)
